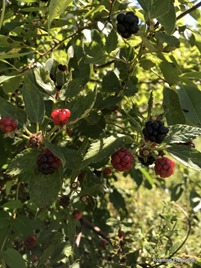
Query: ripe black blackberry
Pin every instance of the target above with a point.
(155, 131)
(127, 24)
(147, 161)
(47, 162)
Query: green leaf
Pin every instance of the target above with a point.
(4, 219)
(13, 258)
(192, 75)
(4, 78)
(73, 87)
(177, 191)
(131, 258)
(159, 8)
(23, 164)
(44, 189)
(8, 109)
(168, 20)
(23, 225)
(195, 201)
(103, 148)
(56, 8)
(13, 204)
(56, 150)
(111, 41)
(148, 177)
(182, 133)
(117, 199)
(190, 98)
(170, 72)
(8, 42)
(174, 114)
(71, 228)
(81, 106)
(43, 80)
(34, 103)
(91, 191)
(94, 50)
(145, 4)
(110, 82)
(14, 53)
(187, 156)
(72, 158)
(170, 40)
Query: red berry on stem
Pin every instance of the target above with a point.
(122, 159)
(60, 116)
(77, 215)
(164, 167)
(106, 171)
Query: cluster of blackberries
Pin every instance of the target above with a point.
(155, 131)
(127, 24)
(48, 162)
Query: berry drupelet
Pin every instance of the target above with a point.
(155, 131)
(127, 24)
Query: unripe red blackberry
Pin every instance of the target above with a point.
(48, 162)
(60, 116)
(8, 124)
(107, 171)
(155, 131)
(30, 242)
(122, 159)
(164, 167)
(77, 215)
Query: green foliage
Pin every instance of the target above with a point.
(68, 55)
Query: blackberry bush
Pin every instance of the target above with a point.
(79, 78)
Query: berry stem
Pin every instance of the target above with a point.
(37, 127)
(27, 131)
(52, 131)
(24, 136)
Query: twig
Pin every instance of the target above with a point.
(189, 10)
(95, 229)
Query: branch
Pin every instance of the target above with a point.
(95, 229)
(189, 10)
